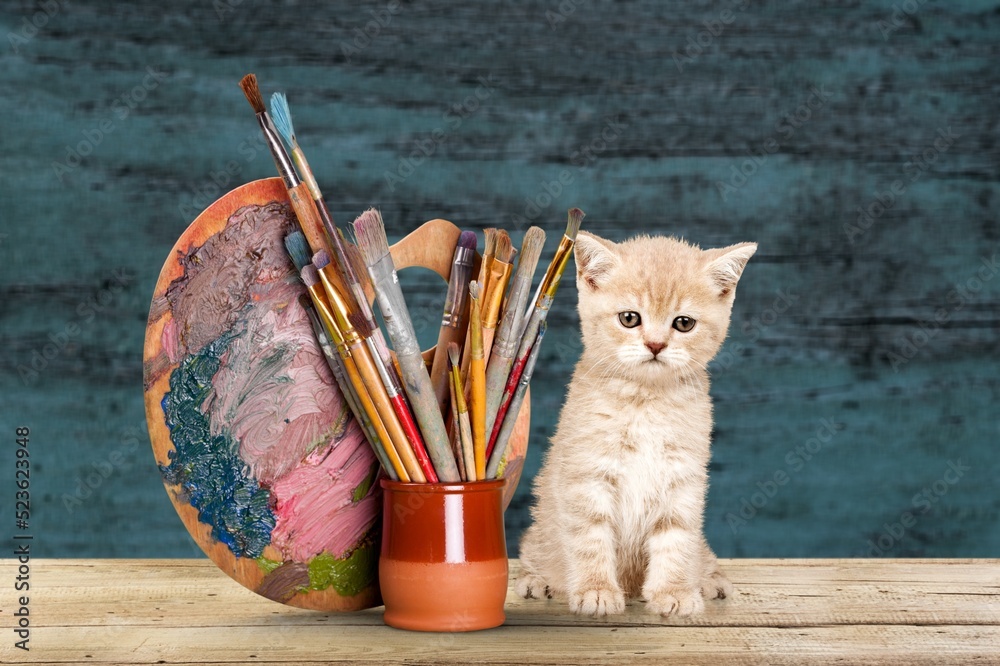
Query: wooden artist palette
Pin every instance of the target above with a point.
(262, 460)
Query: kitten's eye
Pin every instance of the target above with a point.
(684, 324)
(629, 319)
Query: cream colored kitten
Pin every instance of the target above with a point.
(621, 495)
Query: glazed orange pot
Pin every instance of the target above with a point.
(443, 565)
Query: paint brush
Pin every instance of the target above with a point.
(489, 249)
(310, 276)
(535, 322)
(351, 276)
(336, 364)
(507, 338)
(455, 319)
(456, 430)
(369, 231)
(362, 355)
(410, 430)
(477, 381)
(550, 283)
(464, 434)
(500, 270)
(298, 191)
(360, 304)
(501, 451)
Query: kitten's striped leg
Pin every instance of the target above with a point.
(591, 557)
(674, 544)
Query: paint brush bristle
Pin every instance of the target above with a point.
(504, 251)
(249, 85)
(360, 324)
(282, 118)
(468, 240)
(298, 249)
(310, 275)
(321, 259)
(454, 354)
(489, 248)
(531, 247)
(573, 224)
(369, 231)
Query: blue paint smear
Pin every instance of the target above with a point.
(207, 467)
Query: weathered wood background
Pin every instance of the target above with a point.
(856, 396)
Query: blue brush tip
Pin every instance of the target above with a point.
(298, 249)
(282, 118)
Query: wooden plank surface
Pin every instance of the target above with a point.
(783, 612)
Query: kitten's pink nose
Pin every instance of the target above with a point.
(655, 347)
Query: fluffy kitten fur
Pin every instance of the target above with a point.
(621, 494)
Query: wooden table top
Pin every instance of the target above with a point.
(896, 612)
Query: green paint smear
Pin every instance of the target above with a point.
(267, 565)
(362, 488)
(348, 576)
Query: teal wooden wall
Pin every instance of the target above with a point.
(856, 396)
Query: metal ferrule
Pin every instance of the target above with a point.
(281, 159)
(461, 271)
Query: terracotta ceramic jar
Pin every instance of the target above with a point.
(443, 565)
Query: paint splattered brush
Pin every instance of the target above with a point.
(517, 369)
(369, 231)
(413, 438)
(298, 192)
(550, 283)
(477, 381)
(362, 355)
(507, 338)
(310, 276)
(501, 450)
(455, 319)
(464, 434)
(346, 388)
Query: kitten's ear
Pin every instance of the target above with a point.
(595, 257)
(727, 265)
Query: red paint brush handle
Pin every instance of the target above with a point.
(413, 436)
(508, 394)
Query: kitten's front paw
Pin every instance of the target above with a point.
(532, 586)
(676, 601)
(716, 586)
(598, 602)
